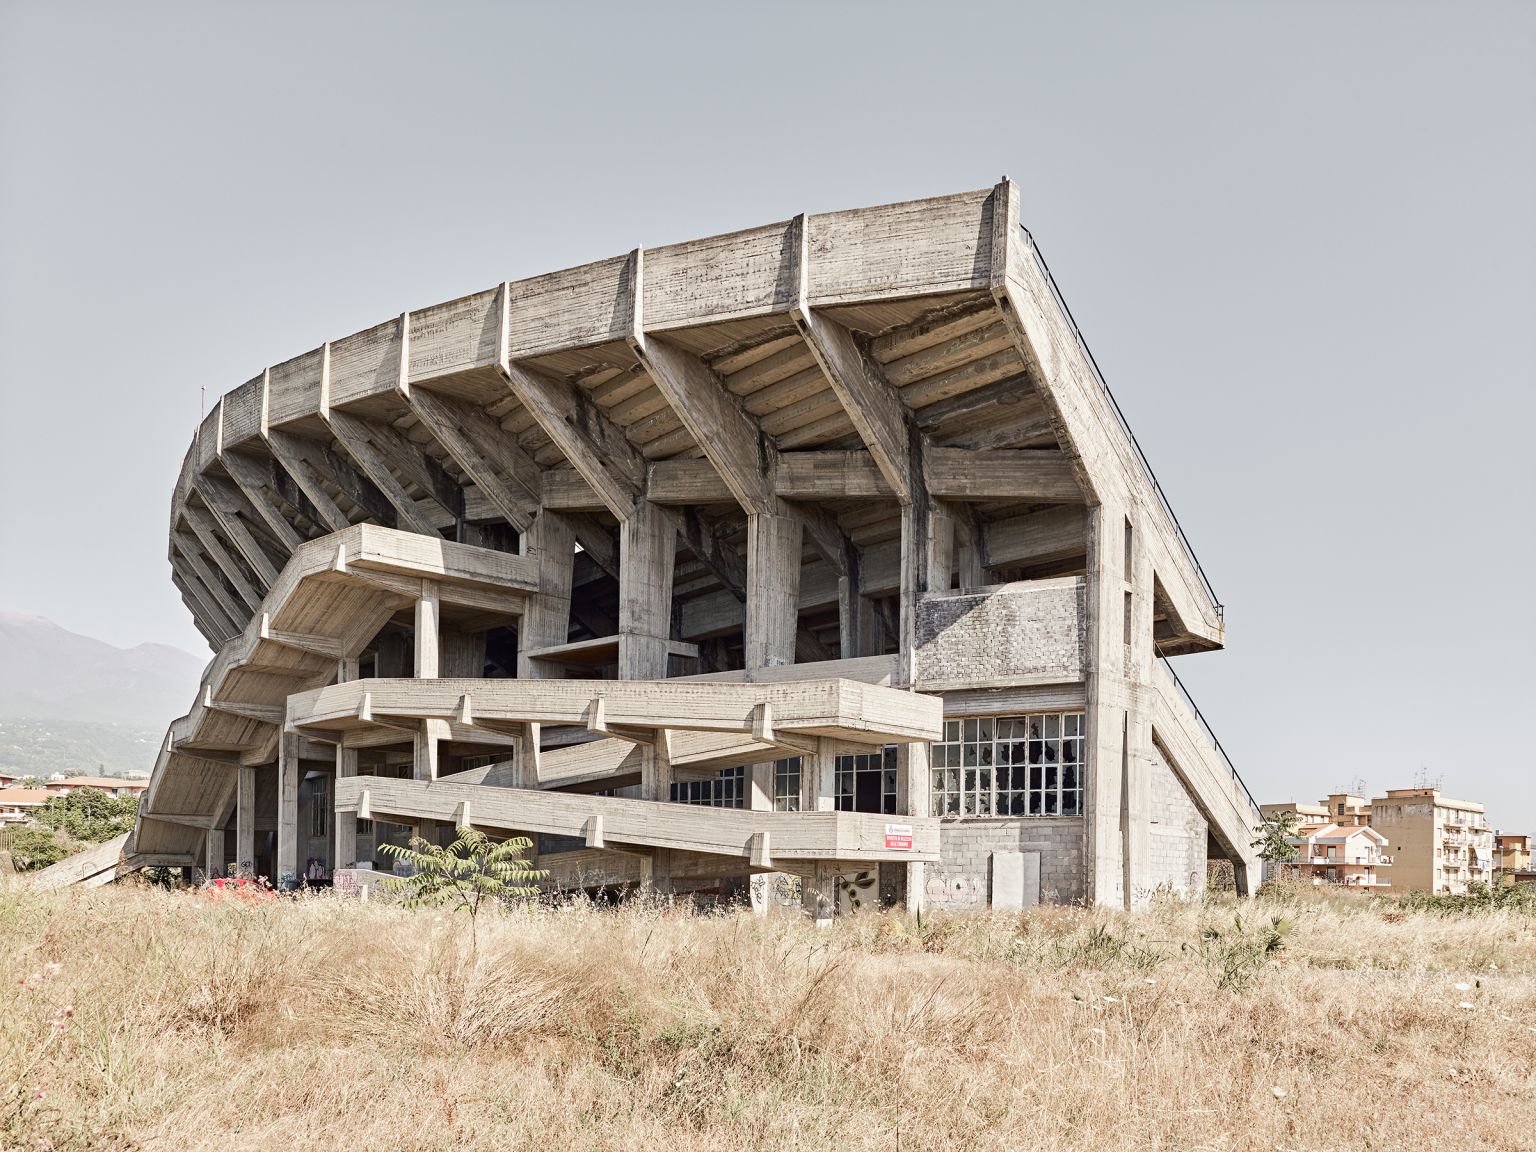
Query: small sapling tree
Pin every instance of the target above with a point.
(470, 873)
(1274, 838)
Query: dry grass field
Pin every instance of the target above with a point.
(134, 1018)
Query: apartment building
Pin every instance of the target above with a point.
(1348, 855)
(1437, 844)
(1513, 860)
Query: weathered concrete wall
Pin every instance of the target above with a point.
(1026, 633)
(1177, 841)
(963, 877)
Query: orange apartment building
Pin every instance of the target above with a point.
(1349, 855)
(1432, 842)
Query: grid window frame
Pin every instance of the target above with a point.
(847, 768)
(320, 807)
(1030, 765)
(786, 784)
(727, 790)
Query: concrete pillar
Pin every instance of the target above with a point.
(288, 772)
(546, 621)
(245, 822)
(656, 771)
(927, 561)
(1248, 877)
(345, 834)
(647, 554)
(773, 589)
(428, 666)
(759, 781)
(818, 892)
(969, 559)
(1108, 736)
(215, 860)
(913, 792)
(656, 784)
(818, 778)
(428, 632)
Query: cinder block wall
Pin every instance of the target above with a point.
(1025, 634)
(1177, 844)
(963, 877)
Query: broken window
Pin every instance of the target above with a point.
(867, 782)
(1010, 766)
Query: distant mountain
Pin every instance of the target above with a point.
(48, 673)
(42, 747)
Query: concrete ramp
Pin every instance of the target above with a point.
(758, 840)
(90, 869)
(1207, 775)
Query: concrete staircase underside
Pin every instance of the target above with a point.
(1204, 772)
(761, 840)
(95, 866)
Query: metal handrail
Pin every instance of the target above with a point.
(1125, 427)
(1200, 716)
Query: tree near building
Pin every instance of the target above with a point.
(1274, 838)
(34, 848)
(470, 873)
(89, 815)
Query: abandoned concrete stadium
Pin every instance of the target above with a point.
(818, 549)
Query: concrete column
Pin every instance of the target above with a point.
(773, 589)
(215, 861)
(818, 892)
(969, 561)
(927, 561)
(647, 554)
(428, 666)
(1248, 877)
(656, 784)
(656, 771)
(759, 780)
(428, 632)
(546, 621)
(288, 772)
(345, 835)
(424, 749)
(245, 822)
(1138, 654)
(818, 778)
(1107, 722)
(344, 823)
(913, 793)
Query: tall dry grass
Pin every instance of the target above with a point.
(141, 1019)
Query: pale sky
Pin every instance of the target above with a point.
(1299, 237)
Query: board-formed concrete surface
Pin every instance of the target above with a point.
(862, 453)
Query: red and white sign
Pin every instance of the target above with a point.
(898, 836)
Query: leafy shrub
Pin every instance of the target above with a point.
(34, 848)
(89, 815)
